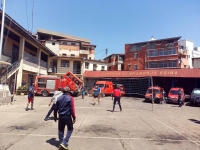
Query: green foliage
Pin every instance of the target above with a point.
(22, 89)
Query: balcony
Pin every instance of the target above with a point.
(43, 64)
(30, 58)
(84, 52)
(182, 51)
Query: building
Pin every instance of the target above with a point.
(156, 54)
(115, 62)
(23, 57)
(74, 54)
(196, 62)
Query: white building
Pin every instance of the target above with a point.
(192, 52)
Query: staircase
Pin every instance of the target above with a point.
(10, 70)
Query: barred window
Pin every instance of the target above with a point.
(65, 63)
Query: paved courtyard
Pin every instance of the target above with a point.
(137, 127)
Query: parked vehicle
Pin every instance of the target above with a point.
(158, 94)
(106, 87)
(47, 84)
(195, 96)
(173, 95)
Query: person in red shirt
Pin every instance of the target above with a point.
(117, 96)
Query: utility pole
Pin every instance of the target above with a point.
(106, 54)
(2, 27)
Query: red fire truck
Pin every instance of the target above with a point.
(47, 84)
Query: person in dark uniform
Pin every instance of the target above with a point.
(179, 98)
(67, 117)
(117, 97)
(83, 92)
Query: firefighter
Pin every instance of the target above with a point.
(179, 98)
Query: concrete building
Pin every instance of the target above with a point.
(156, 54)
(74, 54)
(196, 62)
(115, 62)
(23, 57)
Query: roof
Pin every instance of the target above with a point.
(166, 39)
(182, 73)
(25, 33)
(44, 31)
(114, 54)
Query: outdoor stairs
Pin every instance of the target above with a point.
(10, 70)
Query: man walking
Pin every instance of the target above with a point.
(117, 96)
(179, 98)
(30, 96)
(96, 94)
(57, 94)
(83, 92)
(67, 117)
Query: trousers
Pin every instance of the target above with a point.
(117, 99)
(62, 122)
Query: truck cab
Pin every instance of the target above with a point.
(105, 86)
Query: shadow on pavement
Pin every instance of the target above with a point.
(195, 121)
(53, 142)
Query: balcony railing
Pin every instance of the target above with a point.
(183, 51)
(43, 63)
(30, 58)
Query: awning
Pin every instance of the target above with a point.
(182, 73)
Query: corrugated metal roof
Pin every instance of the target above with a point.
(182, 73)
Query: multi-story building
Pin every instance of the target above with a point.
(23, 57)
(115, 62)
(155, 54)
(74, 54)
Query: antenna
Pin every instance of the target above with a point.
(32, 17)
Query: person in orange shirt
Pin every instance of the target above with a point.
(117, 97)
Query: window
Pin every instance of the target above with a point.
(53, 43)
(135, 55)
(163, 52)
(64, 54)
(163, 64)
(73, 43)
(90, 58)
(135, 67)
(154, 65)
(172, 51)
(72, 55)
(147, 64)
(86, 65)
(172, 64)
(154, 53)
(102, 67)
(64, 63)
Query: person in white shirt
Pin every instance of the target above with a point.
(57, 94)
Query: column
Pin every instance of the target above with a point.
(21, 57)
(172, 82)
(39, 58)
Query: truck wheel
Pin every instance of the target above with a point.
(45, 93)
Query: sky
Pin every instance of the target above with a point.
(110, 24)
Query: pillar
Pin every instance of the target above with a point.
(172, 82)
(39, 58)
(21, 58)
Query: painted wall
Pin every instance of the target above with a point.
(55, 48)
(196, 62)
(190, 47)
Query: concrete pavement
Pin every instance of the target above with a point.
(136, 127)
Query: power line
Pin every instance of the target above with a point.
(27, 14)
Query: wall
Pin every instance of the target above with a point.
(190, 46)
(129, 58)
(54, 48)
(28, 66)
(8, 47)
(196, 62)
(69, 52)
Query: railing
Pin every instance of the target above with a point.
(76, 71)
(83, 51)
(9, 69)
(30, 58)
(43, 63)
